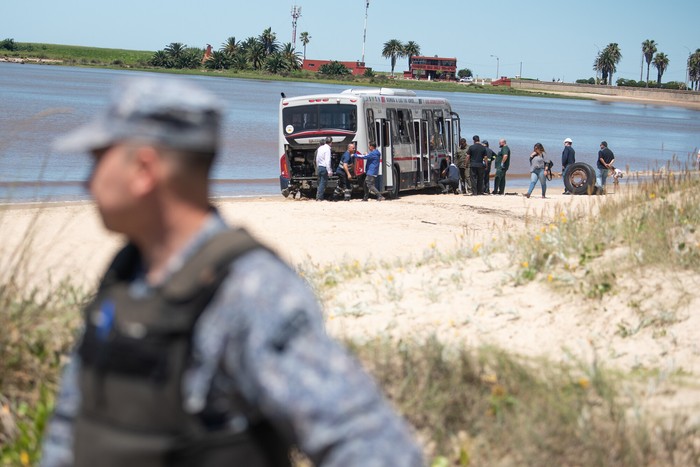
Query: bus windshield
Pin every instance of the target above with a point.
(319, 117)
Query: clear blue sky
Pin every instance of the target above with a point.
(552, 39)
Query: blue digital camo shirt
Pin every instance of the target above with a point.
(313, 391)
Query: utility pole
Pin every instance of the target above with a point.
(296, 13)
(364, 36)
(497, 63)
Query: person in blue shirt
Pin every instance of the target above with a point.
(373, 158)
(450, 180)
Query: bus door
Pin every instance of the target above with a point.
(456, 133)
(385, 146)
(422, 132)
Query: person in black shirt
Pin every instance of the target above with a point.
(568, 157)
(476, 155)
(606, 160)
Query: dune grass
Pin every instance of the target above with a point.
(470, 406)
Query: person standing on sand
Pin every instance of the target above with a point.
(465, 185)
(323, 167)
(502, 165)
(568, 157)
(476, 155)
(698, 159)
(201, 347)
(344, 175)
(490, 156)
(373, 158)
(606, 161)
(538, 168)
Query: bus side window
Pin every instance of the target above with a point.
(371, 135)
(404, 127)
(439, 129)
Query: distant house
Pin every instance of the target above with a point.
(421, 67)
(356, 68)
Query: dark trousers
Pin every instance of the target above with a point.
(499, 183)
(477, 175)
(343, 187)
(447, 185)
(370, 187)
(322, 182)
(487, 173)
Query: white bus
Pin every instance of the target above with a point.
(414, 134)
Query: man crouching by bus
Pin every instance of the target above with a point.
(371, 170)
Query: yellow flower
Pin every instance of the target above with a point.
(525, 264)
(24, 458)
(537, 238)
(652, 195)
(584, 383)
(432, 245)
(390, 278)
(498, 391)
(476, 248)
(543, 229)
(550, 278)
(490, 379)
(563, 218)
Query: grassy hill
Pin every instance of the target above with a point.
(79, 55)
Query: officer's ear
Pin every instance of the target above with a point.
(149, 168)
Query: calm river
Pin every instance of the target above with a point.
(38, 103)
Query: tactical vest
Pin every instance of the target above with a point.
(134, 353)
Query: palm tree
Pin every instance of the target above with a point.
(393, 49)
(648, 49)
(305, 39)
(230, 47)
(161, 59)
(411, 49)
(219, 60)
(694, 70)
(291, 57)
(256, 55)
(269, 41)
(660, 63)
(611, 57)
(275, 63)
(175, 50)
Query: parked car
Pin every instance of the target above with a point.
(466, 79)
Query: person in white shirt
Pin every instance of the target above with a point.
(323, 167)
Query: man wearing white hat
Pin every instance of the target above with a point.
(568, 157)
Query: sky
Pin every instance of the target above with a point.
(545, 39)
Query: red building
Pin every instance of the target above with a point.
(432, 68)
(356, 68)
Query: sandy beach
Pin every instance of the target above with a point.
(470, 302)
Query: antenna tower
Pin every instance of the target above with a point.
(364, 35)
(296, 13)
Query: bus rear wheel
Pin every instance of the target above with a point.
(394, 191)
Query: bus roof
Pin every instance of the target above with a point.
(380, 92)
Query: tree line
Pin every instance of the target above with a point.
(263, 52)
(607, 59)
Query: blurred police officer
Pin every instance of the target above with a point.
(201, 348)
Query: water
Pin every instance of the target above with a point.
(39, 103)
